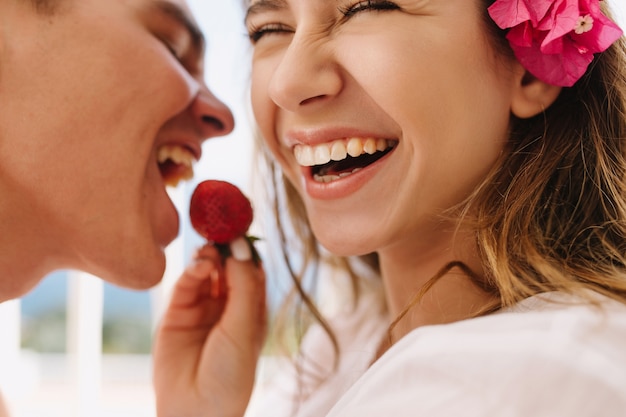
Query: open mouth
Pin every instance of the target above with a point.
(341, 158)
(175, 164)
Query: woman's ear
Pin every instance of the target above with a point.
(532, 96)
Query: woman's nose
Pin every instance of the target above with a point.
(212, 116)
(306, 74)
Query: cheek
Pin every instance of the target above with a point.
(148, 87)
(264, 109)
(261, 102)
(267, 117)
(440, 101)
(128, 106)
(453, 123)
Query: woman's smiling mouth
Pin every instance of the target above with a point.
(341, 158)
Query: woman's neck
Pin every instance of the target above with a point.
(409, 269)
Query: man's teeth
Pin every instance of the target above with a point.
(339, 150)
(176, 154)
(182, 158)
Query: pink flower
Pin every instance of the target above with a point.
(555, 40)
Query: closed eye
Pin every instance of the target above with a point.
(256, 33)
(367, 6)
(171, 48)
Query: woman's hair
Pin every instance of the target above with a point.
(550, 216)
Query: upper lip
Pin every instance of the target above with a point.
(317, 136)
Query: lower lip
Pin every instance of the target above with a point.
(345, 186)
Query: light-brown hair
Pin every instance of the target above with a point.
(552, 214)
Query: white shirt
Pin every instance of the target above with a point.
(538, 359)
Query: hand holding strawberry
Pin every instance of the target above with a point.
(210, 338)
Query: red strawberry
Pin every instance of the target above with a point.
(219, 211)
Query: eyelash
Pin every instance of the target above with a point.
(168, 45)
(173, 51)
(367, 5)
(255, 34)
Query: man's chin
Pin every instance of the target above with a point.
(137, 277)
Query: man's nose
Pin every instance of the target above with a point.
(212, 116)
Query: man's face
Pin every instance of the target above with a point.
(94, 98)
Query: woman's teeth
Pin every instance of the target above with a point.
(337, 151)
(175, 163)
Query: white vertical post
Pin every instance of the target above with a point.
(84, 340)
(9, 346)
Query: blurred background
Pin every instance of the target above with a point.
(61, 363)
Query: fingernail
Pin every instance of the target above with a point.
(240, 249)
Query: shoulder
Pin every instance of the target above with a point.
(542, 326)
(545, 357)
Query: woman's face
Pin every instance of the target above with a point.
(103, 103)
(411, 89)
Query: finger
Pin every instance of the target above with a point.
(207, 251)
(200, 273)
(244, 316)
(195, 299)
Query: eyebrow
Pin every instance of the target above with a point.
(181, 16)
(264, 6)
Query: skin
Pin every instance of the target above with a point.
(89, 94)
(210, 339)
(320, 74)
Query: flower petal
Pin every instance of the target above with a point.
(508, 13)
(602, 35)
(562, 20)
(521, 35)
(555, 69)
(543, 35)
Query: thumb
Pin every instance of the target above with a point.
(245, 313)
